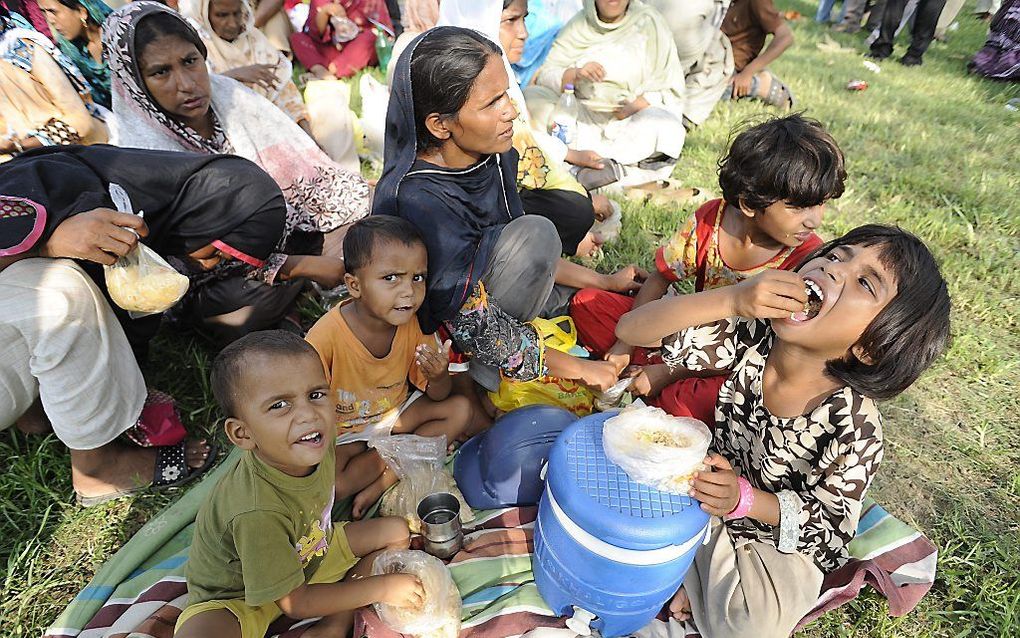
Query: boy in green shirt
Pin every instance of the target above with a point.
(265, 544)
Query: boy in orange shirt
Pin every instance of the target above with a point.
(372, 347)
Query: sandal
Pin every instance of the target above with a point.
(170, 470)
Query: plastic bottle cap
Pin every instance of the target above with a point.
(568, 87)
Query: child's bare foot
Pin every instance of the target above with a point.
(680, 606)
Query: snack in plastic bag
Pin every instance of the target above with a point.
(439, 617)
(656, 449)
(142, 283)
(418, 463)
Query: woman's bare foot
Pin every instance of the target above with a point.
(118, 466)
(680, 606)
(34, 420)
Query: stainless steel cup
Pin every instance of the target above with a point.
(440, 524)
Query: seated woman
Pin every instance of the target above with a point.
(450, 170)
(238, 50)
(58, 331)
(78, 27)
(337, 40)
(180, 107)
(546, 186)
(704, 51)
(622, 63)
(44, 100)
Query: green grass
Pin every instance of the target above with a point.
(929, 148)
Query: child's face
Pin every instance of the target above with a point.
(284, 412)
(391, 287)
(855, 287)
(788, 225)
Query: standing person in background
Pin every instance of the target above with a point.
(78, 27)
(747, 24)
(44, 100)
(921, 35)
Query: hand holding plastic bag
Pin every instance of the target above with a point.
(141, 281)
(439, 615)
(418, 463)
(656, 449)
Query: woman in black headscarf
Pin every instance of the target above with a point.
(216, 218)
(67, 361)
(450, 170)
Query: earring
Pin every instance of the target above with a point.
(84, 22)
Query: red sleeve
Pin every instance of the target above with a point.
(800, 252)
(766, 15)
(664, 269)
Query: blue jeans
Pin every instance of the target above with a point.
(824, 12)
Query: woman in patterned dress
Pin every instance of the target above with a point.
(164, 98)
(798, 434)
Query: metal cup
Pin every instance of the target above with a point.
(440, 524)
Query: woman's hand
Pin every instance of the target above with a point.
(585, 159)
(771, 294)
(434, 365)
(649, 380)
(334, 9)
(100, 235)
(263, 75)
(593, 72)
(626, 109)
(716, 489)
(328, 272)
(626, 280)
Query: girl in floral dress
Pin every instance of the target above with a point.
(798, 434)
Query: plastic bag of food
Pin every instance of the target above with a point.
(439, 616)
(141, 281)
(656, 449)
(418, 463)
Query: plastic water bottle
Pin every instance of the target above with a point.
(564, 123)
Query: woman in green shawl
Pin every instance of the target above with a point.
(77, 25)
(622, 62)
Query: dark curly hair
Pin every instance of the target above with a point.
(363, 238)
(791, 159)
(229, 367)
(912, 330)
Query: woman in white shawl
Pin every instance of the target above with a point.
(238, 50)
(622, 62)
(164, 98)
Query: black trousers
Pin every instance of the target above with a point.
(925, 20)
(571, 213)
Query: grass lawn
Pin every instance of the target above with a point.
(928, 148)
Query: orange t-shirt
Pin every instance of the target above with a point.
(365, 388)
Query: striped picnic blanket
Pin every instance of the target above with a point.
(141, 590)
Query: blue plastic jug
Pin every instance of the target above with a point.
(605, 544)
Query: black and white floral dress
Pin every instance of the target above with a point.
(819, 464)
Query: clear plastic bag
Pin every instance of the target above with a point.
(142, 282)
(418, 463)
(656, 449)
(439, 616)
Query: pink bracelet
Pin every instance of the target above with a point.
(743, 507)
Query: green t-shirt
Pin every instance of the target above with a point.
(262, 533)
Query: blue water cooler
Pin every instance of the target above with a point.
(604, 544)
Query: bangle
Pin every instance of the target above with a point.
(743, 507)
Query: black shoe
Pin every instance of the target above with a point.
(876, 56)
(909, 60)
